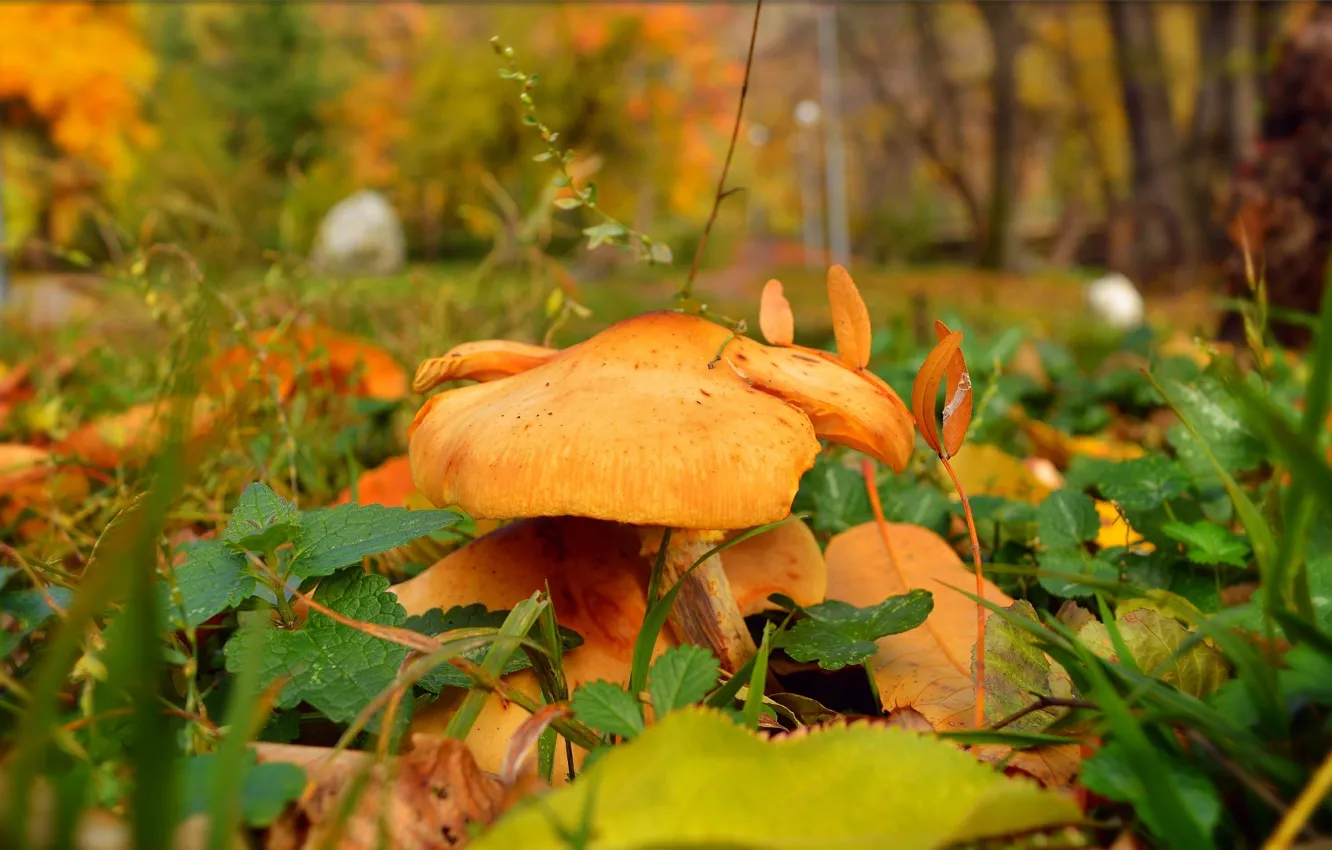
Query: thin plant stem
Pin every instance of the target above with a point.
(867, 470)
(687, 291)
(980, 591)
(1303, 807)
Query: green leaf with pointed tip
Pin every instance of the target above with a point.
(333, 667)
(836, 634)
(332, 538)
(262, 520)
(1143, 484)
(1066, 519)
(608, 708)
(1016, 672)
(30, 611)
(681, 676)
(1214, 412)
(1209, 543)
(834, 788)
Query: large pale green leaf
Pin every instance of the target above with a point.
(1155, 640)
(696, 779)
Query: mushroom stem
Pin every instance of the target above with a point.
(705, 612)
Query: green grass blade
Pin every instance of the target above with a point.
(757, 676)
(517, 625)
(725, 695)
(224, 810)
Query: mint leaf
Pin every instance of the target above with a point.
(30, 612)
(1074, 564)
(1208, 543)
(437, 621)
(1211, 409)
(681, 676)
(1066, 519)
(1143, 484)
(332, 538)
(333, 667)
(608, 708)
(835, 496)
(262, 520)
(212, 579)
(266, 788)
(837, 633)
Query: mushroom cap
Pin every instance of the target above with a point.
(662, 419)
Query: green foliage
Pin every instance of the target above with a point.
(681, 677)
(1067, 519)
(836, 634)
(1209, 543)
(266, 789)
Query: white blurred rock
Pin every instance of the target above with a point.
(1115, 301)
(360, 235)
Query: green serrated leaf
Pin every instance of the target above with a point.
(836, 634)
(1215, 413)
(1209, 543)
(1066, 519)
(333, 667)
(608, 708)
(262, 520)
(332, 538)
(722, 776)
(681, 676)
(212, 579)
(1074, 564)
(1143, 484)
(266, 790)
(1016, 672)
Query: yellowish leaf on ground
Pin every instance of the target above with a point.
(855, 786)
(928, 668)
(1115, 530)
(989, 470)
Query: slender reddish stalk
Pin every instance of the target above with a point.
(980, 591)
(867, 469)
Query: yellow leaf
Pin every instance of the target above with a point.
(989, 470)
(857, 786)
(1115, 530)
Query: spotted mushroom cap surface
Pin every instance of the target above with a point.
(662, 419)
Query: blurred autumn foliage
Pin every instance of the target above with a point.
(1010, 134)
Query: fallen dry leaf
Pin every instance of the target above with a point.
(928, 668)
(134, 435)
(775, 318)
(1115, 530)
(436, 794)
(989, 470)
(345, 363)
(30, 480)
(850, 319)
(389, 484)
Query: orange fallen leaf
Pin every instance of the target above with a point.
(850, 318)
(346, 364)
(390, 484)
(927, 669)
(132, 436)
(775, 317)
(29, 479)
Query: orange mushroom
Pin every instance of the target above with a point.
(663, 420)
(598, 581)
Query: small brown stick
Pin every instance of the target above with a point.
(687, 290)
(1041, 704)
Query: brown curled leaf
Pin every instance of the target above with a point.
(851, 324)
(925, 390)
(775, 319)
(959, 400)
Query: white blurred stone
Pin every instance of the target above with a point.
(1115, 301)
(360, 235)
